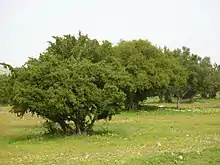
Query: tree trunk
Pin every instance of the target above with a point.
(78, 128)
(168, 98)
(212, 95)
(65, 127)
(62, 125)
(192, 99)
(161, 95)
(132, 105)
(160, 98)
(204, 95)
(89, 128)
(178, 102)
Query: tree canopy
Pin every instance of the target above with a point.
(78, 80)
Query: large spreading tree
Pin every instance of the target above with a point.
(71, 82)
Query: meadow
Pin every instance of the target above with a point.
(155, 136)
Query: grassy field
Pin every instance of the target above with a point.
(199, 103)
(189, 137)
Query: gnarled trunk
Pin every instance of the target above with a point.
(132, 105)
(78, 128)
(82, 127)
(65, 127)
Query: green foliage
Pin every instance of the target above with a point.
(209, 83)
(80, 80)
(4, 89)
(191, 75)
(68, 83)
(146, 67)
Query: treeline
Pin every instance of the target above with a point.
(4, 93)
(81, 80)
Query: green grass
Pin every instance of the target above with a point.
(199, 103)
(163, 136)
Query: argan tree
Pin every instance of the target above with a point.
(71, 82)
(146, 66)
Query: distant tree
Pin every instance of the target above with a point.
(201, 76)
(209, 79)
(177, 77)
(190, 63)
(4, 89)
(146, 67)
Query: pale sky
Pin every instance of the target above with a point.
(27, 25)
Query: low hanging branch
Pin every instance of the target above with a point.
(7, 66)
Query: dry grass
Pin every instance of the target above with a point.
(156, 137)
